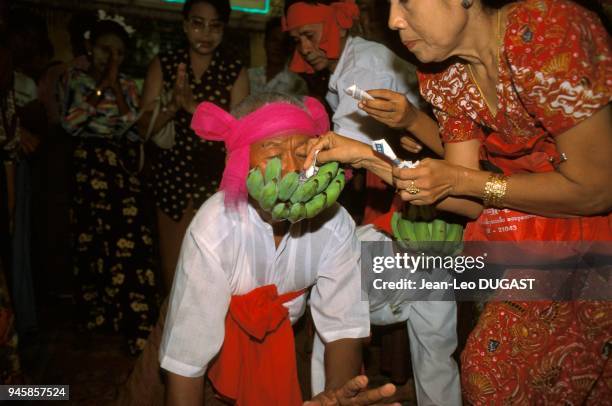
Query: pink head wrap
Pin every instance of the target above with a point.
(336, 16)
(272, 120)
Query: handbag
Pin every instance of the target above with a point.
(165, 137)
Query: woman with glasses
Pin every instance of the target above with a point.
(186, 174)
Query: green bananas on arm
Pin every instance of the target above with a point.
(422, 229)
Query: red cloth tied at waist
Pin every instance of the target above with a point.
(256, 365)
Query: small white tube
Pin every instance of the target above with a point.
(357, 93)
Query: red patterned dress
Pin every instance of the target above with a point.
(555, 71)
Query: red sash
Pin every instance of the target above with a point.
(256, 365)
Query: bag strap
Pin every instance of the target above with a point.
(153, 118)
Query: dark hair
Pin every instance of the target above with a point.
(80, 23)
(108, 27)
(28, 36)
(271, 24)
(21, 20)
(495, 3)
(221, 6)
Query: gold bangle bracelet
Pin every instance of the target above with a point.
(495, 190)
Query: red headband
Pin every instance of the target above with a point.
(272, 120)
(334, 17)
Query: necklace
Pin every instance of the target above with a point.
(469, 66)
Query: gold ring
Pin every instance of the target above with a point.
(412, 189)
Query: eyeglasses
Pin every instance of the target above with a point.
(199, 25)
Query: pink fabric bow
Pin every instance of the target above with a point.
(272, 120)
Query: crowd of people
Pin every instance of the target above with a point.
(505, 103)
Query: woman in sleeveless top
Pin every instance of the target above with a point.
(185, 175)
(521, 93)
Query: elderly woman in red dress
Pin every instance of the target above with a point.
(521, 92)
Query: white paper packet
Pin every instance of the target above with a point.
(382, 147)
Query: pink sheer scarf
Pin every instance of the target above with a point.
(272, 120)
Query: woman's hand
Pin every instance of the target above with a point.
(394, 110)
(111, 81)
(177, 91)
(390, 108)
(428, 183)
(335, 147)
(182, 96)
(189, 102)
(111, 76)
(354, 393)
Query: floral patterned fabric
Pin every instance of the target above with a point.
(555, 71)
(113, 248)
(532, 353)
(192, 169)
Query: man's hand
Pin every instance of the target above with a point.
(390, 108)
(355, 393)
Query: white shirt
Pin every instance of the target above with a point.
(369, 65)
(227, 253)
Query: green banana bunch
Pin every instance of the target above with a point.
(305, 191)
(288, 185)
(438, 234)
(421, 228)
(316, 205)
(454, 239)
(255, 183)
(297, 212)
(335, 188)
(403, 230)
(269, 194)
(274, 167)
(325, 175)
(291, 198)
(280, 211)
